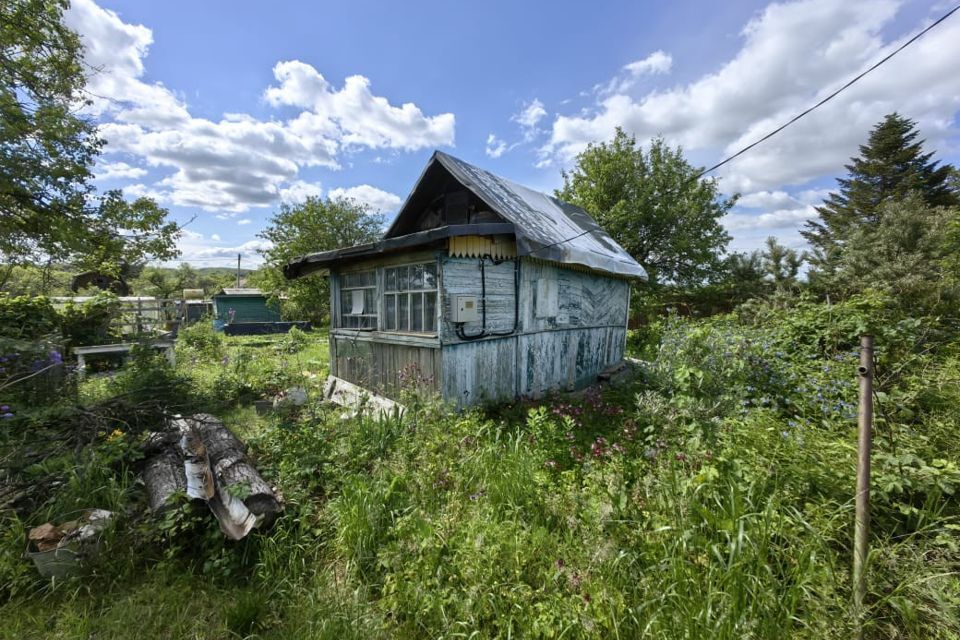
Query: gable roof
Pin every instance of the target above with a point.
(545, 227)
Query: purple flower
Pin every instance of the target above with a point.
(4, 408)
(224, 360)
(55, 357)
(6, 416)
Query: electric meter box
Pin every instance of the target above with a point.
(465, 309)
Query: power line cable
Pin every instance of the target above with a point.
(831, 96)
(800, 115)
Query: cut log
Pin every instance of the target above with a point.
(258, 497)
(223, 448)
(163, 476)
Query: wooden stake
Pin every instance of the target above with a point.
(864, 443)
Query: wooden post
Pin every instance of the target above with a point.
(238, 271)
(864, 443)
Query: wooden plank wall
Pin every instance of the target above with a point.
(562, 351)
(377, 365)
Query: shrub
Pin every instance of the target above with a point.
(203, 339)
(89, 322)
(27, 318)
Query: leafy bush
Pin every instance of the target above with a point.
(294, 341)
(27, 318)
(202, 338)
(89, 322)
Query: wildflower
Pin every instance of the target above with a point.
(560, 564)
(4, 408)
(56, 357)
(550, 464)
(6, 416)
(681, 456)
(225, 360)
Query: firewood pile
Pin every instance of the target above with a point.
(200, 456)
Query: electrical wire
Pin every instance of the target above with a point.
(831, 96)
(800, 115)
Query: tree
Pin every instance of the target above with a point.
(781, 264)
(651, 203)
(48, 209)
(905, 251)
(891, 165)
(313, 225)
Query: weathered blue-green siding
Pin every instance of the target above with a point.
(562, 348)
(247, 309)
(557, 349)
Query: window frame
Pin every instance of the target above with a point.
(409, 294)
(342, 298)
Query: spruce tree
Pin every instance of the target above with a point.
(891, 166)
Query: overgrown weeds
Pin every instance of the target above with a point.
(711, 498)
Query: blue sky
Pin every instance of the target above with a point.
(223, 110)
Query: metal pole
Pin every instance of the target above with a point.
(238, 271)
(864, 443)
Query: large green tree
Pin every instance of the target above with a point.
(651, 202)
(891, 165)
(905, 252)
(48, 208)
(313, 225)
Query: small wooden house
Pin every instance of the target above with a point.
(234, 306)
(482, 289)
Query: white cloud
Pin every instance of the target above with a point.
(780, 219)
(118, 170)
(376, 199)
(658, 62)
(244, 221)
(495, 146)
(767, 200)
(793, 54)
(358, 117)
(300, 191)
(531, 113)
(215, 237)
(238, 161)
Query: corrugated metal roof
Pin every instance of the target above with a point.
(240, 292)
(545, 226)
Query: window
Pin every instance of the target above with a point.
(358, 300)
(410, 298)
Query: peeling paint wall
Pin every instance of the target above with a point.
(572, 325)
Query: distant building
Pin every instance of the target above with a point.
(482, 289)
(236, 306)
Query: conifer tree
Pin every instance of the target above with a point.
(891, 166)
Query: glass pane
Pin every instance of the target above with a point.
(430, 312)
(391, 275)
(430, 275)
(390, 313)
(403, 321)
(370, 301)
(416, 312)
(416, 277)
(402, 282)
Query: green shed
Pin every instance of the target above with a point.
(233, 306)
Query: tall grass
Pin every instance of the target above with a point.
(711, 498)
